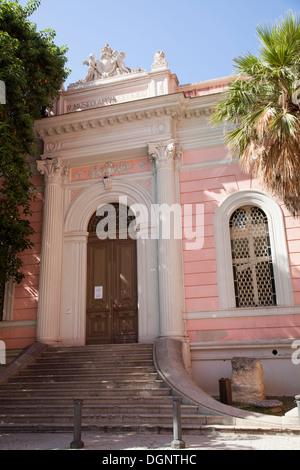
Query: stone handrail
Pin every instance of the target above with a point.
(169, 361)
(27, 356)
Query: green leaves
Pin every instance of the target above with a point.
(263, 108)
(33, 69)
(31, 7)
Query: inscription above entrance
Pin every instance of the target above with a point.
(89, 104)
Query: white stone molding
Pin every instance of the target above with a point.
(17, 324)
(8, 300)
(243, 312)
(73, 307)
(93, 196)
(279, 251)
(165, 156)
(50, 274)
(174, 105)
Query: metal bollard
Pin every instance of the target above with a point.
(77, 442)
(177, 442)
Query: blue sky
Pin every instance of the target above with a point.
(200, 38)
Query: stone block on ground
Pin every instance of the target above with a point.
(247, 380)
(272, 405)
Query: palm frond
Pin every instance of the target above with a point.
(263, 106)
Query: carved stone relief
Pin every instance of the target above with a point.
(110, 64)
(165, 154)
(159, 60)
(110, 169)
(53, 170)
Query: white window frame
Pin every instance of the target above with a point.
(284, 293)
(8, 301)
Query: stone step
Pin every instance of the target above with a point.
(99, 352)
(104, 351)
(29, 376)
(81, 391)
(67, 408)
(102, 419)
(107, 364)
(113, 428)
(59, 399)
(85, 367)
(117, 348)
(95, 384)
(128, 380)
(119, 386)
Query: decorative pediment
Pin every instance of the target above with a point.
(110, 64)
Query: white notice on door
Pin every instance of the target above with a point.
(99, 292)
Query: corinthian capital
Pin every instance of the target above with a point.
(53, 170)
(165, 154)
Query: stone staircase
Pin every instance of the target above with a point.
(119, 386)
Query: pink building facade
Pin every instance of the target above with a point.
(228, 286)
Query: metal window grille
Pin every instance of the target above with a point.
(122, 218)
(252, 258)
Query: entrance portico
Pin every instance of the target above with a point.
(158, 264)
(98, 151)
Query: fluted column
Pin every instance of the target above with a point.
(73, 318)
(54, 172)
(165, 156)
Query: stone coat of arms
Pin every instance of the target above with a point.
(111, 63)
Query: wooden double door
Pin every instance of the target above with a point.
(112, 313)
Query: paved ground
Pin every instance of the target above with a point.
(133, 441)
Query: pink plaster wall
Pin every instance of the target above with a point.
(248, 328)
(26, 294)
(205, 88)
(208, 187)
(18, 338)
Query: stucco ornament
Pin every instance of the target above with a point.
(53, 170)
(160, 60)
(110, 64)
(165, 154)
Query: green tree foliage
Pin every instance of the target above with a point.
(33, 69)
(261, 106)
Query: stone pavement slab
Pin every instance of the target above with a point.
(145, 442)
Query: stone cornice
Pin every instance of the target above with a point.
(176, 106)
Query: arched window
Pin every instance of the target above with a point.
(117, 219)
(251, 252)
(253, 273)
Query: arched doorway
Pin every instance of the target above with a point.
(112, 310)
(72, 325)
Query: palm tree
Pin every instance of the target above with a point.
(262, 108)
